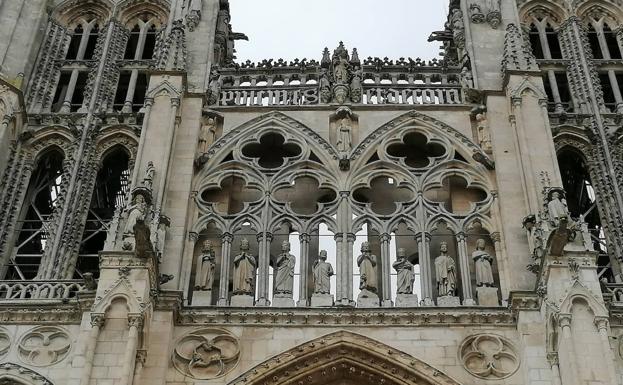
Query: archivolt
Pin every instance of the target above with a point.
(344, 355)
(15, 374)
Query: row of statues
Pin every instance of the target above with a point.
(245, 265)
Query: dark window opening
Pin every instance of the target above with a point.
(581, 200)
(612, 42)
(150, 43)
(535, 42)
(122, 90)
(33, 224)
(78, 95)
(563, 90)
(133, 39)
(91, 43)
(140, 91)
(61, 91)
(593, 41)
(608, 92)
(551, 105)
(111, 187)
(74, 43)
(553, 43)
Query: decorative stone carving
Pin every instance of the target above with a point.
(489, 356)
(367, 269)
(475, 13)
(284, 272)
(482, 265)
(322, 274)
(206, 354)
(206, 263)
(445, 272)
(207, 135)
(5, 341)
(194, 14)
(494, 13)
(44, 346)
(344, 135)
(244, 271)
(484, 137)
(404, 269)
(214, 88)
(136, 214)
(557, 207)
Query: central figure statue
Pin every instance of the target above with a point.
(367, 269)
(445, 272)
(244, 270)
(284, 276)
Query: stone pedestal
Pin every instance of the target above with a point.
(282, 301)
(202, 298)
(428, 302)
(448, 301)
(487, 296)
(367, 299)
(469, 302)
(321, 300)
(242, 300)
(407, 300)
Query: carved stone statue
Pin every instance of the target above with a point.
(406, 277)
(214, 88)
(159, 235)
(483, 132)
(341, 68)
(356, 91)
(244, 270)
(445, 272)
(482, 264)
(322, 273)
(207, 135)
(325, 87)
(284, 274)
(367, 269)
(150, 171)
(344, 135)
(136, 213)
(557, 208)
(206, 263)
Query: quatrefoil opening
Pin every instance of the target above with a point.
(305, 195)
(489, 356)
(206, 354)
(416, 150)
(271, 151)
(232, 195)
(456, 195)
(383, 195)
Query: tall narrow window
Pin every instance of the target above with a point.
(133, 41)
(74, 44)
(535, 42)
(111, 186)
(611, 42)
(91, 42)
(150, 43)
(553, 42)
(33, 224)
(593, 40)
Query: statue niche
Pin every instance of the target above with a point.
(344, 131)
(340, 80)
(322, 272)
(243, 277)
(284, 277)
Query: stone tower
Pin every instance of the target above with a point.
(170, 215)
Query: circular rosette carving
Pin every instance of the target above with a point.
(489, 356)
(44, 346)
(5, 341)
(206, 354)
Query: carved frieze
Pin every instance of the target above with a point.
(206, 354)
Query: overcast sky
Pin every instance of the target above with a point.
(291, 29)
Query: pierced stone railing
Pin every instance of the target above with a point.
(39, 290)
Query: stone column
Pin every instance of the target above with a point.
(386, 300)
(223, 293)
(263, 239)
(426, 279)
(601, 322)
(555, 93)
(496, 237)
(134, 322)
(66, 108)
(149, 102)
(304, 270)
(552, 358)
(466, 280)
(97, 321)
(341, 272)
(566, 346)
(129, 97)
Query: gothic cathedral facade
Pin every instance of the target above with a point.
(170, 215)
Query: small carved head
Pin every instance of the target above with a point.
(443, 247)
(402, 253)
(244, 244)
(365, 247)
(285, 246)
(555, 195)
(207, 246)
(139, 198)
(323, 255)
(480, 244)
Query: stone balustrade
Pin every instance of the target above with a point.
(40, 290)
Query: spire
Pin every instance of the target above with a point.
(518, 55)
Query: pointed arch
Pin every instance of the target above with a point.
(19, 375)
(555, 12)
(71, 12)
(528, 86)
(344, 355)
(155, 11)
(427, 124)
(275, 119)
(579, 292)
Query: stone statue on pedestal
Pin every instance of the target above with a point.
(207, 136)
(206, 263)
(136, 213)
(557, 208)
(482, 264)
(322, 273)
(367, 269)
(406, 277)
(344, 135)
(284, 271)
(244, 271)
(445, 272)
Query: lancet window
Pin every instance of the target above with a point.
(33, 225)
(111, 188)
(277, 226)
